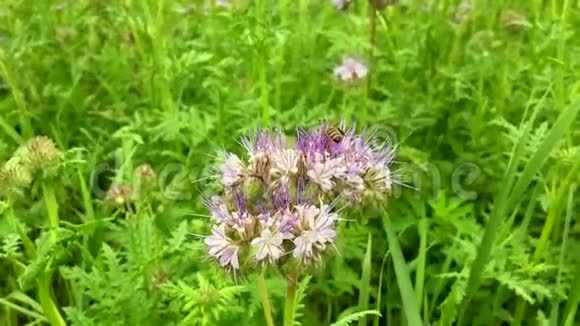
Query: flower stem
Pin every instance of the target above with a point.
(265, 299)
(289, 309)
(52, 210)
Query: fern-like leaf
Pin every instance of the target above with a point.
(300, 295)
(345, 321)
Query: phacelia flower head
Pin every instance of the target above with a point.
(277, 202)
(351, 70)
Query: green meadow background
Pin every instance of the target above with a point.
(482, 230)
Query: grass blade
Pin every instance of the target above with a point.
(556, 133)
(380, 287)
(574, 295)
(24, 311)
(503, 203)
(365, 280)
(421, 262)
(408, 297)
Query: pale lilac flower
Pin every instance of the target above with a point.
(463, 11)
(354, 186)
(243, 222)
(264, 142)
(341, 4)
(281, 195)
(306, 215)
(219, 211)
(318, 231)
(284, 165)
(222, 248)
(323, 172)
(261, 150)
(351, 70)
(304, 245)
(287, 222)
(312, 143)
(232, 171)
(269, 245)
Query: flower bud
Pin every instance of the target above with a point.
(120, 195)
(40, 153)
(145, 176)
(14, 177)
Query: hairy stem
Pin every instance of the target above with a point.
(289, 309)
(52, 210)
(46, 301)
(265, 299)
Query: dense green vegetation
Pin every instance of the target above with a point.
(106, 228)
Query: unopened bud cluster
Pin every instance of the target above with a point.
(39, 156)
(124, 194)
(277, 205)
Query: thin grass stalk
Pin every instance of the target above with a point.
(421, 263)
(553, 216)
(23, 114)
(48, 304)
(365, 280)
(411, 310)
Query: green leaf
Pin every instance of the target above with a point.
(345, 321)
(22, 310)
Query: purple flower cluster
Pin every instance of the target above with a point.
(277, 205)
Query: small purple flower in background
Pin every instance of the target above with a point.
(223, 4)
(463, 11)
(341, 4)
(59, 7)
(351, 70)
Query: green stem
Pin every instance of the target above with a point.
(265, 299)
(48, 305)
(52, 210)
(289, 309)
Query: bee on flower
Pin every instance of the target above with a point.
(277, 205)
